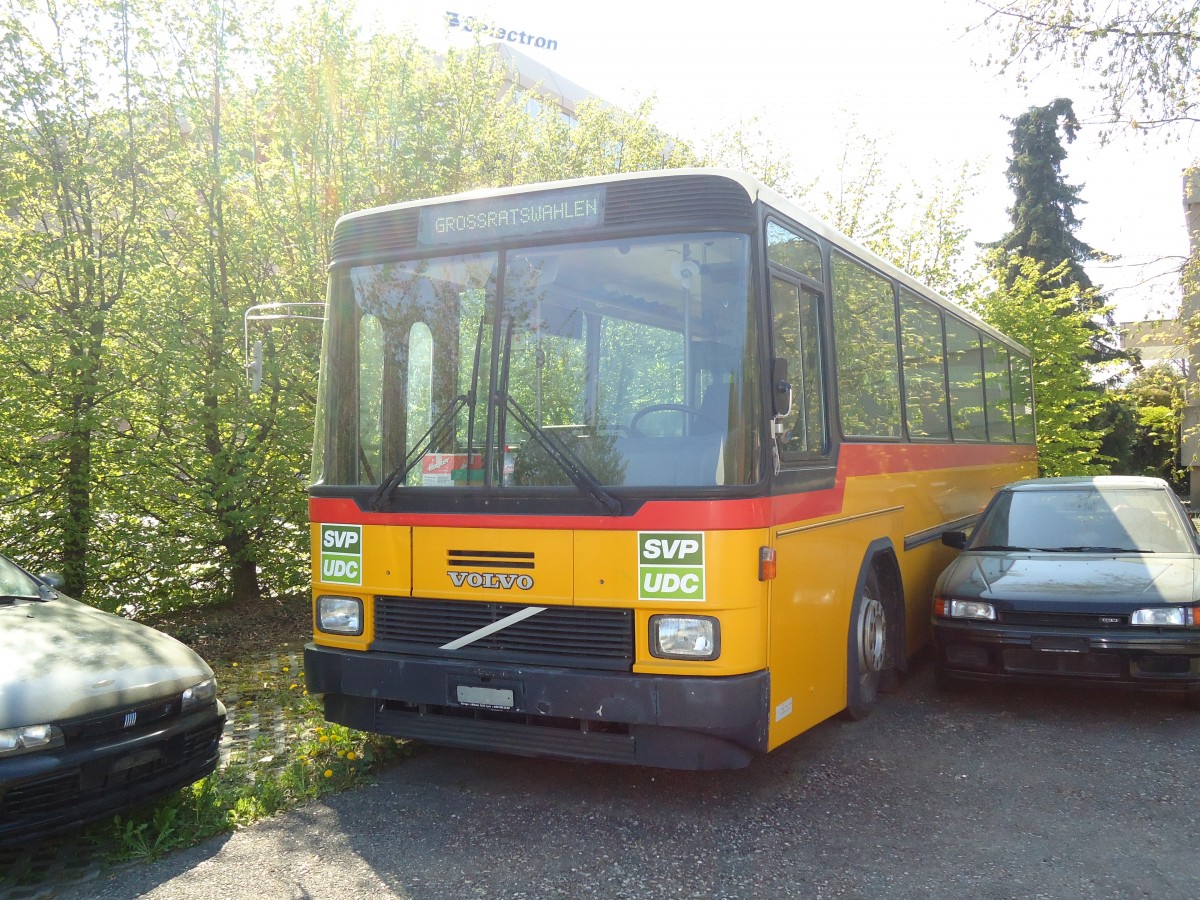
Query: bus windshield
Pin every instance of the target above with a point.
(615, 363)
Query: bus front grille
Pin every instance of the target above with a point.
(568, 636)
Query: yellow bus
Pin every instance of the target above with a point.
(648, 468)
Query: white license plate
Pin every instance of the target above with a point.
(490, 698)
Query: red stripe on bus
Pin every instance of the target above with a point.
(855, 461)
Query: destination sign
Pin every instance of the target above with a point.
(493, 218)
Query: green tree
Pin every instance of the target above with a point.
(1042, 312)
(78, 169)
(1155, 398)
(1136, 53)
(1043, 214)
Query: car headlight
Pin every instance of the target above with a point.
(685, 637)
(1177, 616)
(199, 695)
(29, 738)
(340, 615)
(964, 609)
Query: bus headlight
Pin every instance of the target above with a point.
(340, 615)
(685, 637)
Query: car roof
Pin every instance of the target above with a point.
(1099, 482)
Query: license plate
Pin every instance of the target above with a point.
(1061, 645)
(488, 698)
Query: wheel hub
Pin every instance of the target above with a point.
(872, 634)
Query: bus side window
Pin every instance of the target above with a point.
(796, 316)
(925, 401)
(997, 385)
(867, 352)
(964, 355)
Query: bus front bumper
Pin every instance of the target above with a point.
(654, 720)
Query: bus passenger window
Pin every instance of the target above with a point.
(998, 388)
(1022, 381)
(868, 365)
(796, 316)
(797, 253)
(965, 364)
(925, 407)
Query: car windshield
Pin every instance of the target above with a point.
(14, 582)
(1084, 519)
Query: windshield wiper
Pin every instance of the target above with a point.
(435, 436)
(1095, 550)
(12, 598)
(439, 432)
(1007, 547)
(580, 475)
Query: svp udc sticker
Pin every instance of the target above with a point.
(341, 554)
(670, 565)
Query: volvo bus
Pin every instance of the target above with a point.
(648, 468)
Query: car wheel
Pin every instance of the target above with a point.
(867, 658)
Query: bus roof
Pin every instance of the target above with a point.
(755, 191)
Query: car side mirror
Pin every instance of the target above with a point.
(955, 539)
(53, 579)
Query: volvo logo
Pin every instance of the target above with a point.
(491, 580)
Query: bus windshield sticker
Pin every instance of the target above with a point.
(494, 218)
(670, 565)
(341, 554)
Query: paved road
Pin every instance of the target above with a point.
(1011, 792)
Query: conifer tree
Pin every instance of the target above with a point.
(1043, 215)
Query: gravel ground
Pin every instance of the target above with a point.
(1009, 792)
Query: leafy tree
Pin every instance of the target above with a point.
(1042, 312)
(77, 167)
(919, 229)
(1138, 53)
(1155, 399)
(1043, 214)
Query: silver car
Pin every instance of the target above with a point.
(96, 712)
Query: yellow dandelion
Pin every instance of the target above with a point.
(234, 664)
(329, 773)
(350, 756)
(324, 739)
(341, 753)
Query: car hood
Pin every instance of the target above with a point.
(1065, 581)
(63, 659)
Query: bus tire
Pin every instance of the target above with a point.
(867, 657)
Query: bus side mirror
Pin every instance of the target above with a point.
(781, 387)
(955, 539)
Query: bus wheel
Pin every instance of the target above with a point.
(867, 657)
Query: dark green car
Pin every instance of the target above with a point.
(96, 712)
(1074, 579)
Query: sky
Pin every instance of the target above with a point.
(914, 76)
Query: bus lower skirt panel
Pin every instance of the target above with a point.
(565, 739)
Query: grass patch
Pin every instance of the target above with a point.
(283, 753)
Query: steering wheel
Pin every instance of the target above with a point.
(697, 414)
